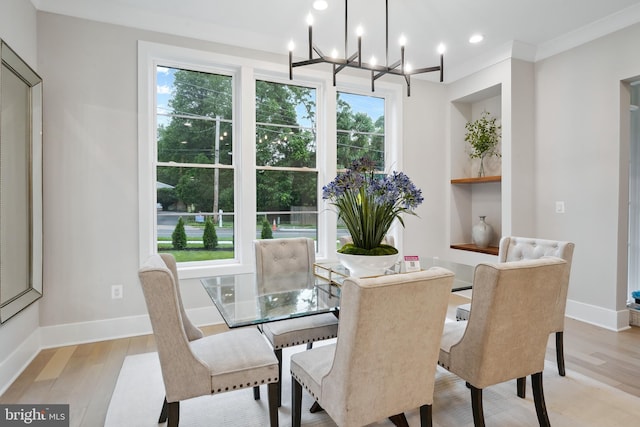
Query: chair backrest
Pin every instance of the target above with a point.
(508, 328)
(193, 332)
(184, 375)
(387, 346)
(283, 264)
(514, 248)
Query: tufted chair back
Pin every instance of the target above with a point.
(283, 264)
(384, 360)
(519, 248)
(507, 332)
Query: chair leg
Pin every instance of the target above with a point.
(560, 352)
(163, 412)
(274, 393)
(174, 414)
(278, 354)
(426, 416)
(538, 398)
(256, 393)
(522, 387)
(476, 406)
(296, 402)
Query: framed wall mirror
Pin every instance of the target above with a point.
(20, 184)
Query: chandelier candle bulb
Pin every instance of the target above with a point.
(310, 23)
(359, 32)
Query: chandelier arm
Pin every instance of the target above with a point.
(318, 51)
(422, 70)
(347, 61)
(309, 62)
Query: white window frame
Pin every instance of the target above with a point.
(245, 72)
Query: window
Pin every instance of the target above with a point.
(360, 129)
(360, 133)
(226, 142)
(286, 170)
(194, 168)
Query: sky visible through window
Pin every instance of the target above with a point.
(370, 105)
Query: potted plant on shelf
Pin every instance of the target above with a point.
(483, 136)
(368, 203)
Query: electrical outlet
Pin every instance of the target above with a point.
(560, 207)
(116, 292)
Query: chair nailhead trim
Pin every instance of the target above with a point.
(238, 386)
(291, 344)
(305, 386)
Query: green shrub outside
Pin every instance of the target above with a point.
(210, 237)
(179, 236)
(266, 233)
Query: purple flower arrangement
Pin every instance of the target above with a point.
(368, 203)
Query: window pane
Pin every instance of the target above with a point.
(360, 133)
(194, 117)
(288, 200)
(285, 125)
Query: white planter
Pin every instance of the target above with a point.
(366, 265)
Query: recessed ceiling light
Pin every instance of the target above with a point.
(320, 5)
(476, 38)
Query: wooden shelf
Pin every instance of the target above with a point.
(476, 180)
(491, 250)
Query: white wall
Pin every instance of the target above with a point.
(581, 156)
(424, 161)
(19, 335)
(90, 175)
(91, 178)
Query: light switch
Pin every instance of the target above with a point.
(560, 207)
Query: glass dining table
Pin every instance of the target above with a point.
(243, 299)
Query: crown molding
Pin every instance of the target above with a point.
(593, 31)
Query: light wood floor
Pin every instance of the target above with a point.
(85, 375)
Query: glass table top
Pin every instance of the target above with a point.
(244, 300)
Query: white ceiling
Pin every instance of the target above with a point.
(525, 29)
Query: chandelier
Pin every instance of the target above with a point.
(399, 68)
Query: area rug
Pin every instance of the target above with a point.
(574, 400)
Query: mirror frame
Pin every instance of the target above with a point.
(29, 283)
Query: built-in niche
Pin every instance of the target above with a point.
(20, 184)
(471, 196)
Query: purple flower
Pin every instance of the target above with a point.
(368, 203)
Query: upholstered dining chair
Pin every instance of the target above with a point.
(508, 328)
(282, 264)
(194, 365)
(384, 360)
(518, 248)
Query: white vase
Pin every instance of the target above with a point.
(366, 265)
(481, 233)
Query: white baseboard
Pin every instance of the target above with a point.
(18, 360)
(84, 332)
(614, 320)
(109, 329)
